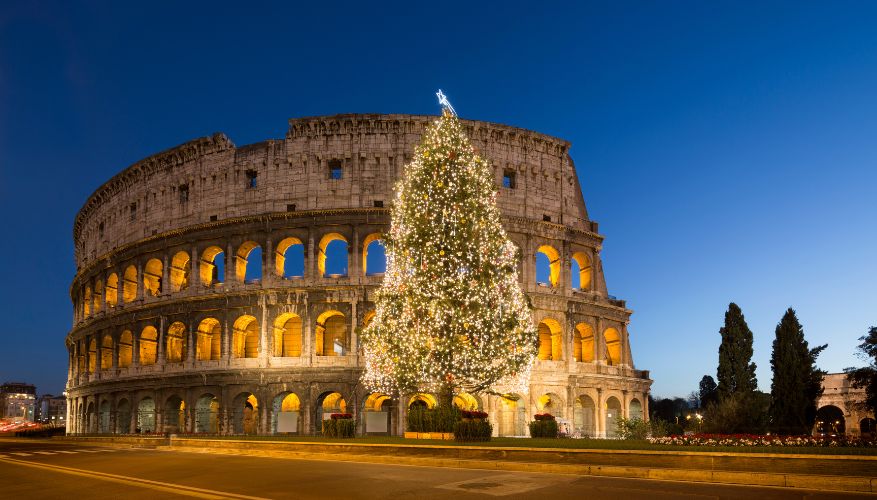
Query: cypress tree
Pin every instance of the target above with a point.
(797, 383)
(736, 372)
(707, 393)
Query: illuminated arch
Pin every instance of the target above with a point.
(112, 290)
(86, 301)
(511, 415)
(286, 413)
(372, 242)
(612, 339)
(245, 414)
(583, 343)
(148, 342)
(280, 256)
(635, 409)
(552, 266)
(581, 267)
(98, 295)
(323, 247)
(106, 352)
(181, 265)
(367, 318)
(331, 335)
(207, 414)
(209, 268)
(613, 412)
(174, 417)
(466, 401)
(584, 416)
(550, 403)
(208, 345)
(146, 415)
(422, 399)
(550, 340)
(92, 355)
(129, 284)
(152, 277)
(287, 335)
(242, 260)
(245, 341)
(830, 421)
(375, 401)
(126, 349)
(176, 343)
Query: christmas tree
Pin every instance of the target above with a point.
(450, 314)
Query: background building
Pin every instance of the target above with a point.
(840, 410)
(17, 401)
(51, 410)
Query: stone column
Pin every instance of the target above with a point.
(352, 347)
(625, 403)
(263, 333)
(229, 273)
(645, 400)
(600, 415)
(161, 341)
(268, 276)
(141, 291)
(194, 268)
(165, 287)
(599, 349)
(354, 258)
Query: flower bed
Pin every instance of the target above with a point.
(761, 440)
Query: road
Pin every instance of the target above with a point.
(45, 469)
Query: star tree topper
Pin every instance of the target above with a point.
(446, 104)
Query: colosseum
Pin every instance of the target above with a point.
(220, 289)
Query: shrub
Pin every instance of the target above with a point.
(544, 416)
(473, 414)
(543, 428)
(439, 419)
(473, 430)
(339, 425)
(632, 428)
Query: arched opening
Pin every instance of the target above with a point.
(287, 335)
(86, 301)
(212, 268)
(374, 255)
(179, 273)
(112, 290)
(378, 414)
(209, 344)
(245, 341)
(248, 262)
(613, 412)
(584, 420)
(422, 400)
(613, 346)
(98, 295)
(106, 352)
(550, 403)
(867, 428)
(331, 335)
(635, 410)
(129, 284)
(289, 258)
(126, 349)
(92, 355)
(174, 418)
(207, 414)
(148, 342)
(245, 414)
(176, 343)
(580, 271)
(466, 401)
(146, 415)
(286, 413)
(90, 416)
(327, 404)
(583, 343)
(332, 259)
(83, 359)
(547, 266)
(550, 340)
(367, 318)
(152, 277)
(511, 416)
(104, 417)
(830, 421)
(123, 417)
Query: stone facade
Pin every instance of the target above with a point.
(162, 341)
(841, 410)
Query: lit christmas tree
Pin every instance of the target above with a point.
(450, 313)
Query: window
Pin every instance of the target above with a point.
(251, 179)
(335, 170)
(508, 179)
(379, 203)
(133, 211)
(546, 218)
(100, 229)
(213, 218)
(290, 207)
(184, 193)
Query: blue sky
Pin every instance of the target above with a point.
(726, 148)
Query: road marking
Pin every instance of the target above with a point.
(88, 451)
(177, 489)
(45, 452)
(21, 454)
(67, 452)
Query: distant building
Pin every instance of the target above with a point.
(840, 410)
(17, 401)
(51, 410)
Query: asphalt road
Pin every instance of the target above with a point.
(45, 469)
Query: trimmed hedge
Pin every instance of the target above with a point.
(473, 430)
(339, 427)
(543, 428)
(440, 419)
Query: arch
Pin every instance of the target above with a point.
(174, 416)
(123, 416)
(547, 266)
(550, 340)
(103, 418)
(287, 335)
(129, 284)
(286, 413)
(335, 265)
(635, 409)
(208, 345)
(374, 257)
(245, 414)
(126, 349)
(422, 399)
(613, 413)
(176, 343)
(92, 355)
(550, 403)
(289, 258)
(245, 341)
(212, 266)
(466, 401)
(612, 339)
(367, 318)
(148, 343)
(207, 414)
(90, 423)
(112, 290)
(327, 404)
(83, 358)
(181, 266)
(511, 416)
(583, 343)
(152, 274)
(580, 270)
(331, 335)
(248, 270)
(867, 428)
(378, 413)
(98, 295)
(86, 301)
(106, 353)
(830, 421)
(584, 416)
(146, 415)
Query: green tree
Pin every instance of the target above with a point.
(797, 382)
(736, 372)
(707, 393)
(450, 313)
(866, 377)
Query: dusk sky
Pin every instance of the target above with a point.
(728, 150)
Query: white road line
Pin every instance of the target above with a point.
(20, 454)
(67, 452)
(45, 452)
(87, 451)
